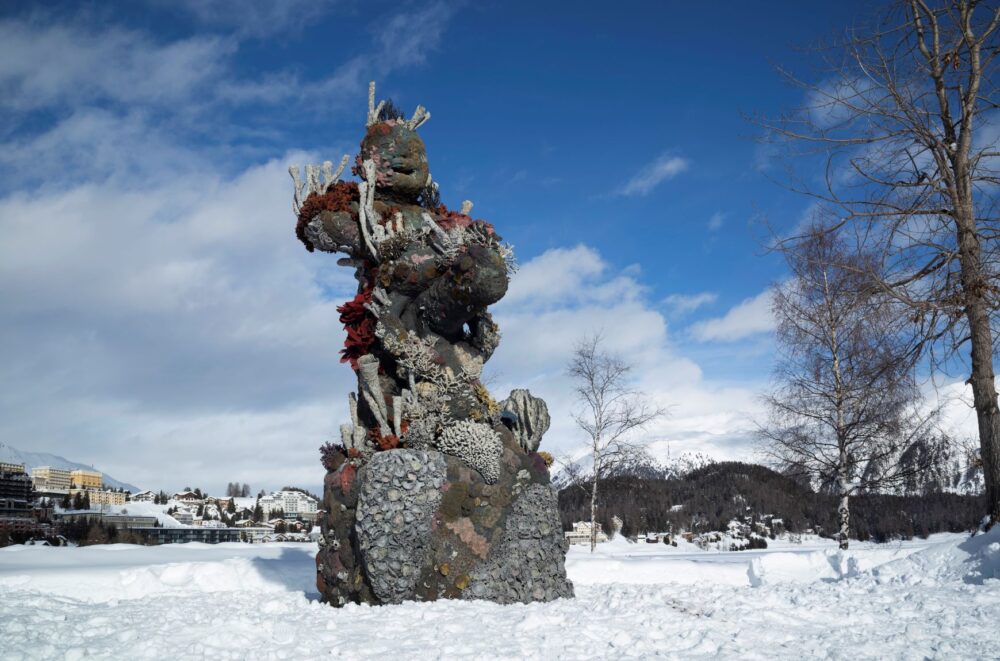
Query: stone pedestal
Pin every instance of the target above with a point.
(422, 525)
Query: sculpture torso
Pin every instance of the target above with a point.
(426, 277)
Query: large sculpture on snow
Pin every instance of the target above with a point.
(435, 489)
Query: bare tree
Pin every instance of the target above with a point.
(609, 412)
(844, 402)
(907, 122)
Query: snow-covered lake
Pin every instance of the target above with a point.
(936, 598)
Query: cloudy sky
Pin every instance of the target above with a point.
(160, 320)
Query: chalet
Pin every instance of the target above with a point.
(188, 498)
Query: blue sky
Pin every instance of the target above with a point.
(162, 322)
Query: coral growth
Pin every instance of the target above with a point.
(332, 455)
(476, 444)
(337, 198)
(360, 327)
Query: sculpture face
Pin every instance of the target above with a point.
(400, 159)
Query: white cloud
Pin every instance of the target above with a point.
(257, 18)
(45, 63)
(715, 222)
(750, 317)
(167, 326)
(565, 294)
(685, 303)
(124, 102)
(652, 175)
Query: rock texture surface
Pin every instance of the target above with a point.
(400, 491)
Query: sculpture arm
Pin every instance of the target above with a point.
(335, 231)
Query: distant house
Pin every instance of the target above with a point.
(182, 535)
(98, 497)
(221, 503)
(130, 521)
(188, 498)
(144, 497)
(183, 517)
(294, 504)
(86, 479)
(581, 533)
(47, 478)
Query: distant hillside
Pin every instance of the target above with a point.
(708, 498)
(33, 459)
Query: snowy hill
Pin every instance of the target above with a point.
(33, 459)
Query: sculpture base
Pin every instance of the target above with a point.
(422, 525)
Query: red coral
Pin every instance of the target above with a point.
(448, 219)
(360, 326)
(337, 198)
(347, 475)
(388, 442)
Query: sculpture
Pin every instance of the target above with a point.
(427, 478)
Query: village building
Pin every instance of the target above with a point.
(581, 533)
(47, 478)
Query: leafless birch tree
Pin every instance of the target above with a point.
(908, 123)
(844, 402)
(609, 412)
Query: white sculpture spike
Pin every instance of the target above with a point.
(335, 175)
(420, 116)
(373, 110)
(293, 170)
(312, 179)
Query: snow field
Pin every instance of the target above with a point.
(938, 598)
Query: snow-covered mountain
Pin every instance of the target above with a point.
(952, 468)
(655, 460)
(678, 464)
(33, 459)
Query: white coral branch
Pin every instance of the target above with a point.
(420, 116)
(373, 110)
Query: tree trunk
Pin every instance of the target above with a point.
(593, 515)
(984, 392)
(844, 521)
(843, 508)
(984, 396)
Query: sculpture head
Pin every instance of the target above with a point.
(400, 159)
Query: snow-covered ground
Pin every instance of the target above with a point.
(936, 598)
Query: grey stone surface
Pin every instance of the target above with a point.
(528, 563)
(400, 491)
(532, 417)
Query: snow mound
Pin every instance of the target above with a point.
(976, 560)
(114, 572)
